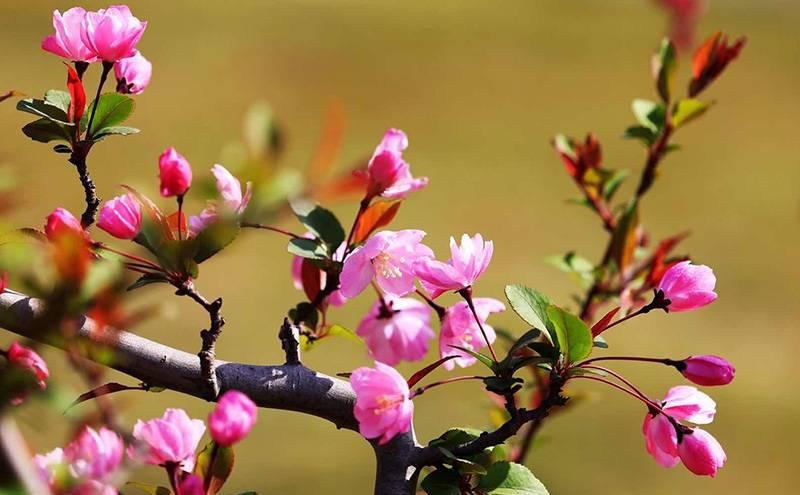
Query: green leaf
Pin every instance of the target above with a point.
(528, 337)
(642, 133)
(340, 331)
(442, 482)
(485, 360)
(529, 304)
(102, 274)
(320, 222)
(649, 114)
(507, 478)
(114, 131)
(624, 239)
(58, 98)
(574, 337)
(664, 65)
(578, 266)
(214, 465)
(147, 279)
(307, 248)
(62, 148)
(464, 466)
(112, 110)
(612, 183)
(43, 109)
(44, 131)
(214, 239)
(687, 110)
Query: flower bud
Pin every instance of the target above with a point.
(133, 74)
(701, 453)
(688, 286)
(112, 34)
(27, 359)
(121, 217)
(59, 221)
(175, 173)
(707, 370)
(232, 419)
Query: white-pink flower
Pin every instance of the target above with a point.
(389, 258)
(459, 328)
(688, 286)
(234, 200)
(67, 42)
(397, 329)
(94, 454)
(112, 34)
(133, 74)
(467, 263)
(383, 405)
(388, 174)
(173, 438)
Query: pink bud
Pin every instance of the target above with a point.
(232, 418)
(27, 359)
(60, 221)
(175, 173)
(171, 438)
(121, 217)
(191, 485)
(67, 41)
(112, 33)
(459, 328)
(133, 74)
(467, 263)
(701, 453)
(707, 370)
(389, 175)
(397, 329)
(230, 189)
(94, 455)
(383, 407)
(688, 286)
(661, 439)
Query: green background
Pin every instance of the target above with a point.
(479, 87)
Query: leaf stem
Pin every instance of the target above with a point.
(107, 66)
(421, 390)
(466, 293)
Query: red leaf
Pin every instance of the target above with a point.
(601, 325)
(376, 216)
(710, 60)
(108, 388)
(329, 144)
(352, 184)
(419, 375)
(658, 267)
(77, 102)
(311, 276)
(172, 221)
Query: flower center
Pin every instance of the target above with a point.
(386, 402)
(385, 267)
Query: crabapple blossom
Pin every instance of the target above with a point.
(61, 220)
(94, 454)
(232, 418)
(388, 174)
(685, 402)
(172, 438)
(67, 41)
(389, 258)
(121, 217)
(383, 406)
(397, 329)
(234, 199)
(661, 439)
(191, 485)
(175, 173)
(47, 465)
(707, 370)
(27, 359)
(133, 74)
(701, 453)
(459, 328)
(112, 34)
(688, 286)
(468, 261)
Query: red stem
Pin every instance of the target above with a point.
(466, 293)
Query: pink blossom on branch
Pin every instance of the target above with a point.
(467, 263)
(389, 258)
(133, 74)
(173, 438)
(94, 454)
(459, 328)
(383, 407)
(685, 402)
(67, 41)
(661, 440)
(388, 174)
(235, 200)
(191, 485)
(121, 217)
(27, 359)
(232, 418)
(113, 33)
(175, 173)
(701, 453)
(688, 286)
(707, 370)
(397, 329)
(61, 220)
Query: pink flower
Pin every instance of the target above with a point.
(121, 217)
(232, 418)
(336, 298)
(48, 464)
(387, 256)
(707, 370)
(661, 439)
(172, 438)
(383, 407)
(468, 261)
(389, 175)
(459, 328)
(67, 41)
(687, 403)
(175, 173)
(234, 199)
(133, 74)
(191, 485)
(27, 359)
(397, 331)
(112, 34)
(701, 453)
(94, 455)
(688, 286)
(61, 220)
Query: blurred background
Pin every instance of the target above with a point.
(480, 87)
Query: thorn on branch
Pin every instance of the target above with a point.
(289, 335)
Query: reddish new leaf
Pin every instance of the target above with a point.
(601, 325)
(710, 60)
(419, 375)
(108, 388)
(311, 276)
(658, 267)
(376, 216)
(173, 223)
(77, 95)
(329, 144)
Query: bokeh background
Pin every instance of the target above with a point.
(480, 87)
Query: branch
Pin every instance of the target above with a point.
(78, 158)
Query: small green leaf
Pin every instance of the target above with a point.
(649, 114)
(574, 337)
(214, 239)
(320, 222)
(307, 248)
(114, 131)
(214, 465)
(687, 110)
(442, 482)
(147, 279)
(62, 148)
(642, 133)
(529, 304)
(102, 274)
(340, 331)
(664, 65)
(112, 110)
(485, 360)
(43, 109)
(45, 130)
(612, 183)
(624, 239)
(507, 478)
(58, 98)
